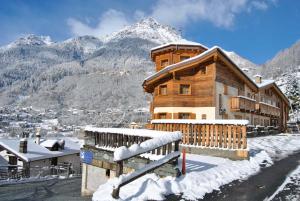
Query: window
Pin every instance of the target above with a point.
(203, 70)
(184, 115)
(184, 58)
(164, 62)
(237, 116)
(162, 115)
(163, 90)
(248, 95)
(185, 89)
(203, 116)
(225, 89)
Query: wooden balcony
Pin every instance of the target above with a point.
(266, 109)
(241, 103)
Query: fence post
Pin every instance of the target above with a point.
(119, 172)
(176, 148)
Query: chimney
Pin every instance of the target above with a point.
(38, 135)
(23, 145)
(258, 79)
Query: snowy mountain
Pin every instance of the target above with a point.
(285, 69)
(147, 29)
(30, 40)
(247, 66)
(86, 73)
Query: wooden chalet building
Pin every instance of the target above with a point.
(196, 82)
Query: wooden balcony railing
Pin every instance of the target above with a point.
(242, 103)
(230, 134)
(266, 109)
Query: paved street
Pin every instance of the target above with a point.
(53, 190)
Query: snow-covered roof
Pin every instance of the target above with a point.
(265, 83)
(179, 42)
(195, 58)
(186, 61)
(48, 143)
(38, 152)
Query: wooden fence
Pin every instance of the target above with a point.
(228, 136)
(105, 140)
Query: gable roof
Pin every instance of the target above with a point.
(194, 60)
(270, 83)
(182, 42)
(37, 152)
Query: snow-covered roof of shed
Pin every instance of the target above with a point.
(265, 83)
(48, 143)
(179, 42)
(37, 152)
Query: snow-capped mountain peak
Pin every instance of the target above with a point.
(87, 43)
(148, 29)
(31, 40)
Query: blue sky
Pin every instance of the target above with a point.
(255, 29)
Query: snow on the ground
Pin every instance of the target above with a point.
(289, 189)
(205, 173)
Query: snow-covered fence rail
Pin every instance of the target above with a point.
(230, 134)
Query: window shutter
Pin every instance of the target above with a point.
(193, 115)
(169, 115)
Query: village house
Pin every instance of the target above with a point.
(34, 157)
(196, 82)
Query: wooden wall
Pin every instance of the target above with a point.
(202, 88)
(173, 56)
(228, 77)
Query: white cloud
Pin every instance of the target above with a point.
(260, 5)
(178, 13)
(221, 13)
(111, 21)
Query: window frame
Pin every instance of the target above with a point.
(184, 56)
(159, 89)
(164, 61)
(190, 90)
(162, 113)
(184, 113)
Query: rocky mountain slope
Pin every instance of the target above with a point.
(85, 73)
(285, 69)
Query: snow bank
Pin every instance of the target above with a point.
(207, 173)
(196, 121)
(123, 152)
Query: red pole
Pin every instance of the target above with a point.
(183, 162)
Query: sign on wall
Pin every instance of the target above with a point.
(86, 157)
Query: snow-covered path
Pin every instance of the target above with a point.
(206, 173)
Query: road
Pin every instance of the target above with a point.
(260, 186)
(52, 190)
